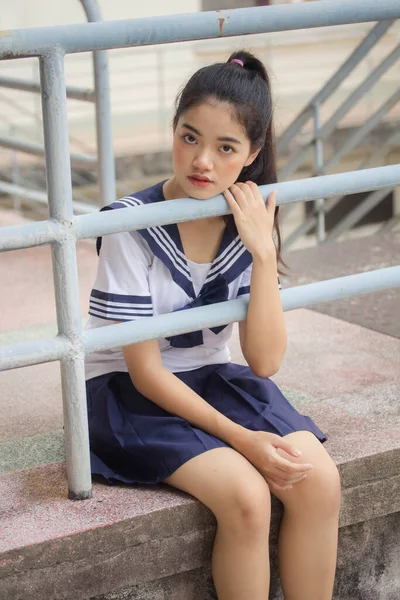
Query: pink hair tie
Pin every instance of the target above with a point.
(238, 61)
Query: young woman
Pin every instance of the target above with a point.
(177, 410)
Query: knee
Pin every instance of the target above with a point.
(321, 492)
(246, 509)
(327, 487)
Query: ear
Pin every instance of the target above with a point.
(252, 157)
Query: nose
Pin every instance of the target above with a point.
(203, 160)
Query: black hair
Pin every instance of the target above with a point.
(247, 90)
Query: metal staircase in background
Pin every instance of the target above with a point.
(321, 133)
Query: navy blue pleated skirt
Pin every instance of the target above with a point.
(133, 440)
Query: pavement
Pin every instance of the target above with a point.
(379, 311)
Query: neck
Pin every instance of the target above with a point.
(172, 190)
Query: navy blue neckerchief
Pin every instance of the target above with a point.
(226, 267)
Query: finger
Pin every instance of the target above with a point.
(277, 487)
(233, 205)
(284, 479)
(282, 444)
(255, 191)
(290, 468)
(240, 191)
(292, 480)
(280, 482)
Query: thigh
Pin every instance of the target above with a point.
(224, 480)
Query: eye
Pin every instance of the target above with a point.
(227, 149)
(189, 139)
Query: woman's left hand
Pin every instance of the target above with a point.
(253, 218)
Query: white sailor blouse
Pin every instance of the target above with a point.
(145, 272)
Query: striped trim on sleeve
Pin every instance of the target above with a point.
(119, 307)
(242, 291)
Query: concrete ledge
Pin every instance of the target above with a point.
(131, 543)
(130, 536)
(133, 536)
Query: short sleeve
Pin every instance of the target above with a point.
(121, 291)
(244, 285)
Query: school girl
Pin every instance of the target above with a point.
(176, 410)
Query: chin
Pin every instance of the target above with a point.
(197, 194)
(202, 196)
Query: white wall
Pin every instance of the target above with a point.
(19, 14)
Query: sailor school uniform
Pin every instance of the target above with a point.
(144, 273)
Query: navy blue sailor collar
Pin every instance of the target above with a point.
(165, 243)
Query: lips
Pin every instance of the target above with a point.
(199, 180)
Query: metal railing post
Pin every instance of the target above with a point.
(106, 168)
(65, 273)
(319, 170)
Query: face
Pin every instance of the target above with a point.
(210, 148)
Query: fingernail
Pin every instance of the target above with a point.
(309, 466)
(297, 453)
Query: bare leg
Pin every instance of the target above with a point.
(309, 529)
(239, 498)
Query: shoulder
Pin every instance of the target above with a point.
(148, 195)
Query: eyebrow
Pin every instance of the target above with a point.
(220, 139)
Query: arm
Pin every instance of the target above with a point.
(165, 389)
(263, 334)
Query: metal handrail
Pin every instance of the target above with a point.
(34, 86)
(16, 237)
(38, 150)
(62, 229)
(23, 354)
(183, 28)
(41, 197)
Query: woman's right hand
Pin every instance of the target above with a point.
(261, 449)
